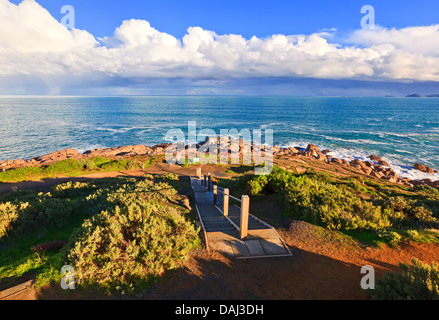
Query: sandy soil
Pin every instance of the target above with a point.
(324, 266)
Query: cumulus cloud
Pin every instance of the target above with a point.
(33, 43)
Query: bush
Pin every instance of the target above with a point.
(390, 236)
(124, 248)
(39, 213)
(9, 214)
(418, 281)
(20, 174)
(345, 204)
(64, 166)
(89, 164)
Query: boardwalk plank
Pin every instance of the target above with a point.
(255, 247)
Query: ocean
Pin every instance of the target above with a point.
(400, 130)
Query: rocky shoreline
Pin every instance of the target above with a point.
(374, 167)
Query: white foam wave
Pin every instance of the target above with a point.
(404, 170)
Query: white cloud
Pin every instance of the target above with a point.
(33, 43)
(423, 40)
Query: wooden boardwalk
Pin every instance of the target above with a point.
(221, 234)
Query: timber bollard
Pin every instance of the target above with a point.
(209, 183)
(226, 202)
(245, 207)
(215, 194)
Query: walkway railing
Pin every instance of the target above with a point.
(206, 182)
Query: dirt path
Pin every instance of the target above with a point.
(323, 266)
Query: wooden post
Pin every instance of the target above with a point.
(209, 186)
(226, 203)
(215, 194)
(245, 207)
(204, 181)
(199, 173)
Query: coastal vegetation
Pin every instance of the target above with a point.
(416, 281)
(118, 234)
(368, 210)
(73, 167)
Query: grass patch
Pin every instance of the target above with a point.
(72, 168)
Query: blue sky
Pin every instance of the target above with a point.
(344, 61)
(245, 17)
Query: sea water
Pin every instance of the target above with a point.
(400, 130)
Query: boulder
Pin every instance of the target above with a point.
(369, 164)
(300, 170)
(125, 151)
(375, 158)
(326, 151)
(406, 182)
(58, 155)
(18, 163)
(292, 151)
(32, 162)
(358, 162)
(360, 165)
(377, 174)
(390, 178)
(387, 171)
(367, 170)
(336, 160)
(276, 149)
(420, 167)
(423, 168)
(311, 147)
(9, 164)
(313, 151)
(6, 163)
(383, 163)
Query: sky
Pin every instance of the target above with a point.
(205, 47)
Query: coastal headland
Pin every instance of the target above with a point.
(294, 159)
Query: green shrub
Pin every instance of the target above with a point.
(9, 214)
(344, 204)
(123, 248)
(20, 174)
(64, 166)
(121, 165)
(413, 235)
(89, 164)
(133, 231)
(390, 236)
(418, 281)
